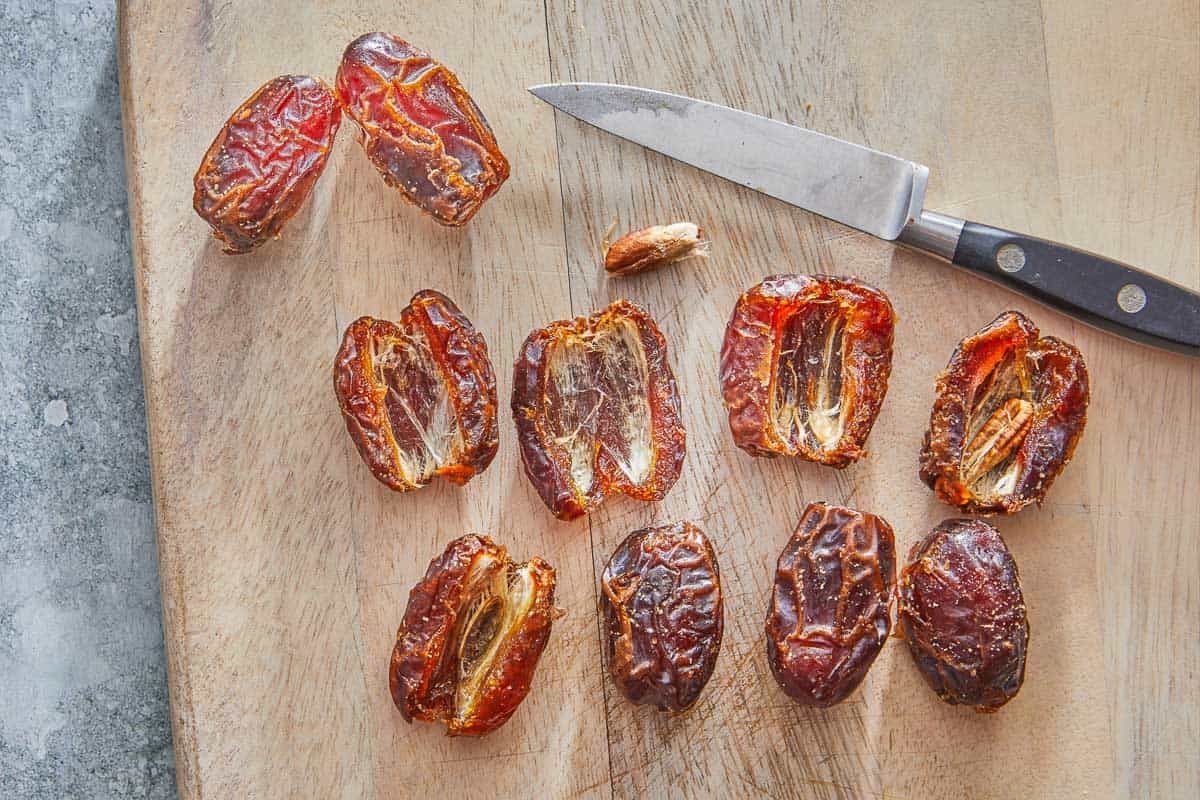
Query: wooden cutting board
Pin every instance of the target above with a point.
(285, 567)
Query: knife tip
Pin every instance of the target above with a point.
(554, 93)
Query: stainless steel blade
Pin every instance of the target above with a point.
(863, 188)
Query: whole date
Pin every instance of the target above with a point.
(664, 614)
(805, 367)
(830, 610)
(471, 637)
(263, 164)
(963, 614)
(420, 128)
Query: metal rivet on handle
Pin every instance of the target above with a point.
(1010, 258)
(1131, 298)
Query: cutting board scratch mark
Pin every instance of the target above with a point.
(489, 756)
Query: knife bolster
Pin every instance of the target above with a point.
(934, 233)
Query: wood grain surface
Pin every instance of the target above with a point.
(285, 567)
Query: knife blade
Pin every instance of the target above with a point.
(884, 195)
(857, 186)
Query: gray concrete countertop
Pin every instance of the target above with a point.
(83, 707)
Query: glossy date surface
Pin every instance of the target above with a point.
(830, 611)
(664, 614)
(420, 128)
(597, 410)
(266, 159)
(471, 637)
(1011, 406)
(805, 366)
(418, 395)
(963, 615)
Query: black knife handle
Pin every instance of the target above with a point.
(1105, 293)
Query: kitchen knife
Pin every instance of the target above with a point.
(883, 195)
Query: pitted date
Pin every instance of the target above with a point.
(664, 614)
(266, 159)
(597, 410)
(830, 610)
(418, 395)
(420, 128)
(963, 615)
(472, 635)
(1010, 410)
(805, 367)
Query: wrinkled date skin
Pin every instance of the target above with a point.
(418, 395)
(805, 367)
(665, 615)
(963, 615)
(266, 159)
(597, 410)
(420, 128)
(1009, 412)
(472, 635)
(830, 610)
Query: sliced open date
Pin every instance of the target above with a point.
(1009, 412)
(418, 395)
(471, 637)
(597, 410)
(420, 128)
(265, 160)
(963, 614)
(664, 614)
(805, 367)
(830, 610)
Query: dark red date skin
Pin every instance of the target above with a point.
(420, 128)
(805, 366)
(439, 670)
(1007, 359)
(265, 161)
(830, 610)
(665, 615)
(963, 614)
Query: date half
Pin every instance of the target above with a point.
(665, 615)
(963, 614)
(1010, 409)
(472, 635)
(805, 367)
(830, 610)
(597, 410)
(420, 128)
(265, 161)
(418, 395)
